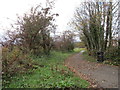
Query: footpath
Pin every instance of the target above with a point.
(99, 75)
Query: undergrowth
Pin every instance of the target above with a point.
(48, 72)
(109, 61)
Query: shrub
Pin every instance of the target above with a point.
(112, 55)
(13, 62)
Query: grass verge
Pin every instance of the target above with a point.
(89, 58)
(49, 73)
(93, 59)
(85, 54)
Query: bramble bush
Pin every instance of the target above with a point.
(13, 62)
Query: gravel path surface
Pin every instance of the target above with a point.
(99, 75)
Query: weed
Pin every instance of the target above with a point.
(53, 74)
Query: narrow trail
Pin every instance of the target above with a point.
(99, 75)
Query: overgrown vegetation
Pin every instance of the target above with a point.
(98, 27)
(48, 72)
(65, 42)
(28, 56)
(31, 53)
(111, 58)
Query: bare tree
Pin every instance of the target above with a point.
(95, 20)
(33, 30)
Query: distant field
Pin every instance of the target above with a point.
(79, 49)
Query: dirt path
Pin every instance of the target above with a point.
(99, 75)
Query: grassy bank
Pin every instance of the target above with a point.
(87, 57)
(50, 72)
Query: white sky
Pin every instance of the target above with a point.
(9, 9)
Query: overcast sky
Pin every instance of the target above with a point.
(9, 9)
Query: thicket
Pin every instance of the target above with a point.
(65, 42)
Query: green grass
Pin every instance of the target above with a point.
(50, 73)
(112, 63)
(88, 58)
(93, 59)
(79, 49)
(86, 55)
